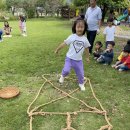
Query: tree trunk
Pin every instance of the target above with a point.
(13, 10)
(104, 11)
(37, 13)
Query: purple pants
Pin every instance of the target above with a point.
(77, 66)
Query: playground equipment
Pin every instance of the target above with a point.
(122, 17)
(119, 19)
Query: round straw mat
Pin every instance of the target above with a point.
(9, 92)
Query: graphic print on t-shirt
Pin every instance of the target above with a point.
(78, 45)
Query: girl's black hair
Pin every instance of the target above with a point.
(5, 24)
(112, 43)
(128, 42)
(126, 49)
(22, 18)
(99, 43)
(75, 23)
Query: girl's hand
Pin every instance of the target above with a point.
(62, 45)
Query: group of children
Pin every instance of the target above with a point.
(123, 61)
(7, 29)
(106, 56)
(77, 43)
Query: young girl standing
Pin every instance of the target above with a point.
(22, 25)
(77, 44)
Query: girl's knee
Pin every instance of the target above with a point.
(65, 72)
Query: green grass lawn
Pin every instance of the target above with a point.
(23, 60)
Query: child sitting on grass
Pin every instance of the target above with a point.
(1, 32)
(107, 56)
(98, 50)
(124, 63)
(123, 56)
(7, 29)
(127, 46)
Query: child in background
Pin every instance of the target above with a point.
(22, 25)
(98, 50)
(1, 32)
(109, 32)
(126, 47)
(107, 56)
(129, 20)
(7, 29)
(124, 63)
(77, 44)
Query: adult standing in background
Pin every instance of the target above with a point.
(93, 18)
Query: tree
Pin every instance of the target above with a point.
(112, 4)
(28, 5)
(2, 4)
(51, 6)
(80, 2)
(105, 4)
(12, 4)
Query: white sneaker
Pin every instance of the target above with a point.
(1, 40)
(120, 70)
(105, 64)
(113, 66)
(82, 88)
(95, 58)
(61, 80)
(24, 34)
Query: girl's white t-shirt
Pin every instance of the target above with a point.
(77, 44)
(109, 32)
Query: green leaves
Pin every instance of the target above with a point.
(110, 3)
